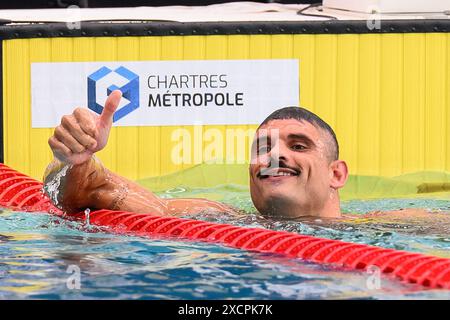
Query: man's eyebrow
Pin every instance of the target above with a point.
(292, 136)
(262, 138)
(300, 136)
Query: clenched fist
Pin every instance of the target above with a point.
(83, 133)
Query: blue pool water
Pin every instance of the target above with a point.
(40, 254)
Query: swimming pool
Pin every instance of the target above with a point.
(381, 94)
(39, 252)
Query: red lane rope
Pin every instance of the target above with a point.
(20, 192)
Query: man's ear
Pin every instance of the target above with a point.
(338, 174)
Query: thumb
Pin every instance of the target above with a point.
(111, 105)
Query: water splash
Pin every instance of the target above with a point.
(87, 216)
(51, 188)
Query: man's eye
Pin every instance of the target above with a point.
(263, 149)
(298, 147)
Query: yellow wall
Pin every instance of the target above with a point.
(386, 95)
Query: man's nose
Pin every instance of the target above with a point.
(278, 154)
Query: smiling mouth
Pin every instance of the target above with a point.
(277, 172)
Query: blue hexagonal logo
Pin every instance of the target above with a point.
(104, 81)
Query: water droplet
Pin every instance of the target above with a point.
(87, 216)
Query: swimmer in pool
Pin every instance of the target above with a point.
(295, 170)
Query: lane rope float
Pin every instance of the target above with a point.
(20, 192)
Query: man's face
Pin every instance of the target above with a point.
(290, 168)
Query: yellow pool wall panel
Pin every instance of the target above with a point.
(386, 96)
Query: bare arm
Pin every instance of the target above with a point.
(76, 179)
(91, 185)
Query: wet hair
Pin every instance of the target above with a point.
(302, 114)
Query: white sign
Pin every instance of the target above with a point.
(158, 93)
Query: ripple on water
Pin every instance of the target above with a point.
(37, 249)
